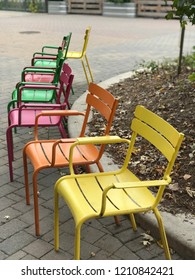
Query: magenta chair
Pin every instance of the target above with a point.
(24, 115)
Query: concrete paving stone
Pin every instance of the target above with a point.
(6, 189)
(147, 253)
(2, 255)
(125, 253)
(23, 208)
(108, 243)
(10, 212)
(87, 250)
(49, 203)
(91, 235)
(67, 242)
(52, 255)
(136, 244)
(68, 226)
(38, 248)
(103, 255)
(96, 223)
(17, 256)
(16, 242)
(11, 227)
(128, 235)
(28, 217)
(5, 202)
(15, 197)
(29, 257)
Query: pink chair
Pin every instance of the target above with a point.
(24, 115)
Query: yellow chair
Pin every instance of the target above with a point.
(83, 56)
(120, 192)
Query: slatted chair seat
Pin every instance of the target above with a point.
(91, 202)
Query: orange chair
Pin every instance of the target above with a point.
(55, 153)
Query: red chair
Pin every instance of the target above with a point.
(24, 115)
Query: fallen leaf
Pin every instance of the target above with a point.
(187, 176)
(190, 192)
(174, 187)
(147, 237)
(146, 243)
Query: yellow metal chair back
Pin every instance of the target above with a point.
(120, 192)
(83, 56)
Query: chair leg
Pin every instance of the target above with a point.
(133, 222)
(85, 71)
(162, 234)
(62, 129)
(77, 246)
(90, 73)
(25, 164)
(36, 204)
(56, 219)
(10, 151)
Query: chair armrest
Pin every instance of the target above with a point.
(61, 113)
(141, 184)
(43, 53)
(100, 140)
(37, 69)
(135, 184)
(50, 47)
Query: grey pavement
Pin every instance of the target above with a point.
(116, 46)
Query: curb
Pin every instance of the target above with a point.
(179, 228)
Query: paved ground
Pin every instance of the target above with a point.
(116, 46)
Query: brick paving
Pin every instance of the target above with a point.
(116, 46)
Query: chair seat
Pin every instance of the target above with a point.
(40, 154)
(34, 95)
(41, 78)
(88, 191)
(28, 118)
(45, 63)
(74, 54)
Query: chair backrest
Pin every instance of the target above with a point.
(86, 40)
(61, 56)
(65, 84)
(158, 132)
(103, 102)
(65, 44)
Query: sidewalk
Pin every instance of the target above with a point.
(116, 46)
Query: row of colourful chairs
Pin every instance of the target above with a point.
(40, 88)
(44, 82)
(103, 193)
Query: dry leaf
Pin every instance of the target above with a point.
(187, 176)
(147, 237)
(190, 192)
(146, 243)
(174, 187)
